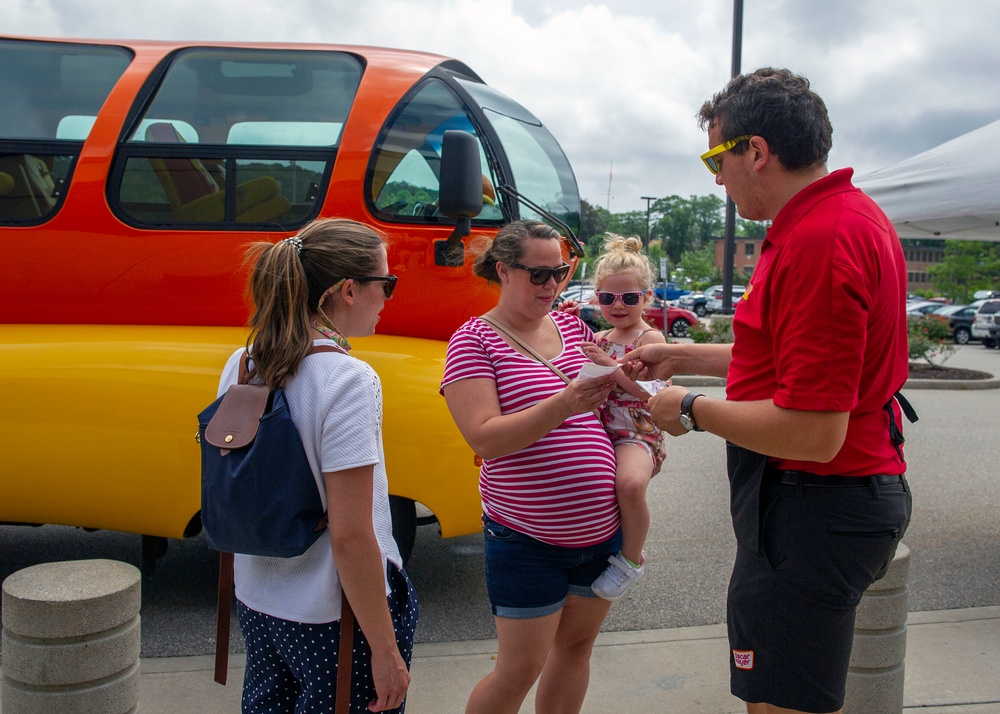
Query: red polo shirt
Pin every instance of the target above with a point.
(821, 326)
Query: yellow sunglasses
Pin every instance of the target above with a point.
(708, 157)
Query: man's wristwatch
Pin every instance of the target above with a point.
(687, 418)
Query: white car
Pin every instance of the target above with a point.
(987, 317)
(580, 293)
(922, 307)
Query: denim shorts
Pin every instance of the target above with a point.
(527, 578)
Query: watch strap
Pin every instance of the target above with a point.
(686, 404)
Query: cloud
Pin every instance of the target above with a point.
(619, 83)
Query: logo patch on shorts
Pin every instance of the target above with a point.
(743, 659)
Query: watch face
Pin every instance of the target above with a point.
(686, 422)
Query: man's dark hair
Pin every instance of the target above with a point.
(777, 105)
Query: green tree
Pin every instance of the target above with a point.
(685, 224)
(967, 266)
(751, 229)
(594, 221)
(632, 223)
(699, 266)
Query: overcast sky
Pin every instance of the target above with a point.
(619, 82)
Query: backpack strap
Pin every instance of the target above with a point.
(895, 433)
(224, 603)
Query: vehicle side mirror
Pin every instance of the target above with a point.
(461, 193)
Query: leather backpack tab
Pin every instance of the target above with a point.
(235, 423)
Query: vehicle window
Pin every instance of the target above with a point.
(404, 174)
(233, 137)
(989, 308)
(541, 170)
(49, 106)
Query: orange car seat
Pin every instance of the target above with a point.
(196, 196)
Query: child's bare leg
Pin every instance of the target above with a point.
(632, 477)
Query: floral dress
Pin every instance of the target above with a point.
(626, 418)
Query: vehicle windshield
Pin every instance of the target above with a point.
(541, 170)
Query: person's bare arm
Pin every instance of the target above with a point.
(663, 361)
(760, 426)
(475, 407)
(359, 566)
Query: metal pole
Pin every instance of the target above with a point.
(729, 243)
(648, 200)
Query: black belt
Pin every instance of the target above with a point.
(805, 478)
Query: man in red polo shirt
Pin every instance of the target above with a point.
(811, 417)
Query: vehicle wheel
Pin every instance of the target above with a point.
(699, 310)
(962, 335)
(404, 524)
(988, 343)
(680, 327)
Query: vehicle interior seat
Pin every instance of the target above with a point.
(196, 196)
(26, 187)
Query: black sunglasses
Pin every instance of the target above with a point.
(388, 282)
(540, 276)
(630, 298)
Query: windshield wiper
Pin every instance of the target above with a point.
(575, 244)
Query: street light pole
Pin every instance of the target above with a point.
(648, 200)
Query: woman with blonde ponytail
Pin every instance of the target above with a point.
(321, 287)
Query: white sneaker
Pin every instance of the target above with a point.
(617, 578)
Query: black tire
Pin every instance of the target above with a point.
(679, 328)
(700, 310)
(404, 524)
(988, 343)
(962, 335)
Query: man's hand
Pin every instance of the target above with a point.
(650, 361)
(665, 409)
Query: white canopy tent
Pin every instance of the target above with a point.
(951, 191)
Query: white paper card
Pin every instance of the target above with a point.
(590, 370)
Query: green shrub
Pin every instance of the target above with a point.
(930, 339)
(719, 331)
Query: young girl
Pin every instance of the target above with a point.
(623, 278)
(326, 285)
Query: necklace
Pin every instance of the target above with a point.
(329, 330)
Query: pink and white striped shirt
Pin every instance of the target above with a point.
(561, 489)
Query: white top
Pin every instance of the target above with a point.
(336, 403)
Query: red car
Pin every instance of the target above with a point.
(678, 319)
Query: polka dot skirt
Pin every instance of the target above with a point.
(292, 666)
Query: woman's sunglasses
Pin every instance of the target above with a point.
(630, 298)
(540, 276)
(388, 282)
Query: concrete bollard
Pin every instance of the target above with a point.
(71, 638)
(875, 677)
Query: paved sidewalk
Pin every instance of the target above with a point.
(951, 666)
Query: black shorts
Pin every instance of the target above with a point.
(791, 607)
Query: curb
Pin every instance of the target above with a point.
(686, 380)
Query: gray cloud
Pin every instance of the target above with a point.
(619, 83)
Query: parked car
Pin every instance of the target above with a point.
(923, 307)
(678, 319)
(960, 319)
(698, 302)
(986, 294)
(714, 302)
(672, 291)
(994, 336)
(987, 316)
(695, 302)
(581, 293)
